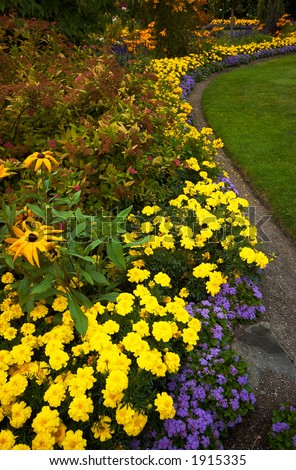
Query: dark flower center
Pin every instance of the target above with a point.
(40, 155)
(32, 237)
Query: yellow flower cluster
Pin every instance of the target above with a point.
(72, 374)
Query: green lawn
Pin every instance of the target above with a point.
(253, 110)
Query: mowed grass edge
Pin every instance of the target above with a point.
(253, 110)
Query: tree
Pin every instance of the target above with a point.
(175, 22)
(269, 12)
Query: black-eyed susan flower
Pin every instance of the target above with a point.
(4, 171)
(42, 159)
(24, 216)
(31, 240)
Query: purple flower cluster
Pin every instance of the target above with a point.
(211, 392)
(283, 430)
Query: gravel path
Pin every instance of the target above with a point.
(274, 340)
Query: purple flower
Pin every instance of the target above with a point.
(280, 427)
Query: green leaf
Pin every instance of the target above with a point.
(82, 298)
(111, 297)
(42, 287)
(121, 217)
(23, 289)
(85, 258)
(37, 210)
(62, 215)
(138, 242)
(79, 318)
(94, 244)
(115, 253)
(98, 277)
(87, 277)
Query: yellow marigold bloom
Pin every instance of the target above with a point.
(216, 279)
(7, 278)
(30, 241)
(124, 414)
(162, 331)
(137, 275)
(147, 227)
(261, 260)
(21, 447)
(74, 440)
(80, 407)
(190, 336)
(168, 241)
(162, 279)
(4, 171)
(102, 430)
(58, 359)
(110, 327)
(117, 381)
(19, 413)
(55, 394)
(164, 405)
(43, 441)
(60, 303)
(21, 354)
(42, 159)
(142, 328)
(111, 400)
(28, 329)
(139, 263)
(81, 381)
(188, 243)
(7, 440)
(46, 420)
(247, 254)
(124, 303)
(184, 293)
(172, 361)
(136, 424)
(149, 210)
(134, 343)
(203, 270)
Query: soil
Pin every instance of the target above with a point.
(272, 386)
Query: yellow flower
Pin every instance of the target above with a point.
(74, 440)
(101, 429)
(19, 414)
(46, 420)
(216, 279)
(80, 408)
(172, 361)
(60, 303)
(7, 278)
(163, 330)
(117, 381)
(4, 171)
(137, 275)
(162, 279)
(184, 293)
(55, 394)
(203, 270)
(43, 441)
(164, 405)
(42, 159)
(7, 440)
(29, 241)
(247, 254)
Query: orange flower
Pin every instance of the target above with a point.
(30, 240)
(4, 171)
(42, 159)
